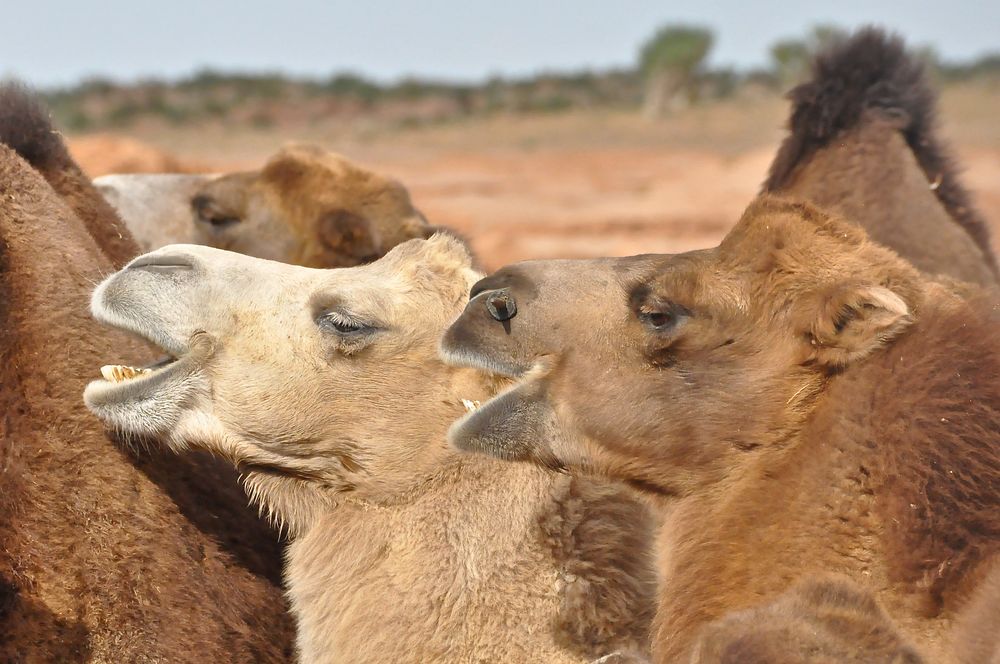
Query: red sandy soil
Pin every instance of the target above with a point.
(101, 154)
(563, 186)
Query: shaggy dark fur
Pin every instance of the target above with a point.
(102, 558)
(600, 534)
(872, 71)
(26, 128)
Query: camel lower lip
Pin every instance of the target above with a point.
(150, 402)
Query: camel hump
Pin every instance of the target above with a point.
(26, 128)
(871, 73)
(870, 70)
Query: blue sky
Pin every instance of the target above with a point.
(51, 42)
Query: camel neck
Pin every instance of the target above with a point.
(471, 475)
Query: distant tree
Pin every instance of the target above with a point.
(987, 66)
(931, 59)
(790, 57)
(824, 35)
(353, 85)
(670, 62)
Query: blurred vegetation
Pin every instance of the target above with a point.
(671, 72)
(790, 57)
(671, 62)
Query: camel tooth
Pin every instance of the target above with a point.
(470, 405)
(117, 373)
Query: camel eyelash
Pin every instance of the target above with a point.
(344, 324)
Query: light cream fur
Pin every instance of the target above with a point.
(155, 207)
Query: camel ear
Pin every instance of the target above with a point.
(854, 320)
(346, 238)
(516, 425)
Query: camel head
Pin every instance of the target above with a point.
(306, 206)
(305, 378)
(664, 370)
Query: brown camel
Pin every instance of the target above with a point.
(306, 206)
(807, 401)
(105, 557)
(325, 389)
(863, 143)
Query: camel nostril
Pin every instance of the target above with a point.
(501, 305)
(161, 263)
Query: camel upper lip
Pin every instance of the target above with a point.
(476, 356)
(136, 383)
(461, 357)
(133, 323)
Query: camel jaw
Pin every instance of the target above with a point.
(150, 400)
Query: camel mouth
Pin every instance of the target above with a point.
(502, 375)
(498, 371)
(149, 399)
(119, 373)
(123, 378)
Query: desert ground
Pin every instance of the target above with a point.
(569, 184)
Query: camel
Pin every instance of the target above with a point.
(803, 401)
(156, 207)
(134, 560)
(324, 388)
(25, 128)
(105, 557)
(306, 206)
(863, 143)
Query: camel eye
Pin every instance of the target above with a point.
(662, 317)
(221, 222)
(207, 212)
(342, 324)
(657, 319)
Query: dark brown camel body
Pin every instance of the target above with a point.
(105, 556)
